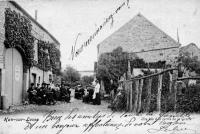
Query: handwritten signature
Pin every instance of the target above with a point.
(172, 130)
(75, 52)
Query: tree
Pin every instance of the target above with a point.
(87, 80)
(112, 66)
(71, 75)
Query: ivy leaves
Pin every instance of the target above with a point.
(48, 56)
(18, 34)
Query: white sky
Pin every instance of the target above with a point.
(66, 18)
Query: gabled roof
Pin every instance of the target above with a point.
(138, 35)
(32, 19)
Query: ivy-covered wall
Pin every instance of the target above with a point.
(48, 56)
(20, 33)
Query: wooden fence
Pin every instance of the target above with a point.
(155, 92)
(138, 101)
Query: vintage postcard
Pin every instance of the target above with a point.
(100, 67)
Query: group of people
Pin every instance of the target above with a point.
(48, 94)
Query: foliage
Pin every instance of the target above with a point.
(54, 55)
(189, 63)
(71, 75)
(112, 65)
(188, 100)
(87, 80)
(43, 56)
(18, 34)
(48, 57)
(119, 103)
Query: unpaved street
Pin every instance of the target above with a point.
(61, 107)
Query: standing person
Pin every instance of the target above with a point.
(96, 95)
(68, 93)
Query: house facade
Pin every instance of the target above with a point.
(28, 54)
(143, 39)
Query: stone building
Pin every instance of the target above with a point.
(28, 54)
(143, 39)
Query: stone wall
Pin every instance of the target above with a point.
(143, 38)
(168, 55)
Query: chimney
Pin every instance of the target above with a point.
(36, 15)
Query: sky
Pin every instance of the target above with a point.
(65, 19)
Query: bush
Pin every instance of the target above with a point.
(189, 99)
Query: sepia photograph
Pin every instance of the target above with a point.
(100, 66)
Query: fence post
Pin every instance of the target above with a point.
(170, 82)
(140, 95)
(149, 94)
(131, 96)
(159, 92)
(128, 95)
(136, 95)
(175, 97)
(175, 84)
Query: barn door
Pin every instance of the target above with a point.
(14, 76)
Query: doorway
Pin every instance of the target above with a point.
(14, 76)
(34, 78)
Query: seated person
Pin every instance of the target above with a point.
(32, 94)
(42, 94)
(64, 93)
(56, 91)
(49, 95)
